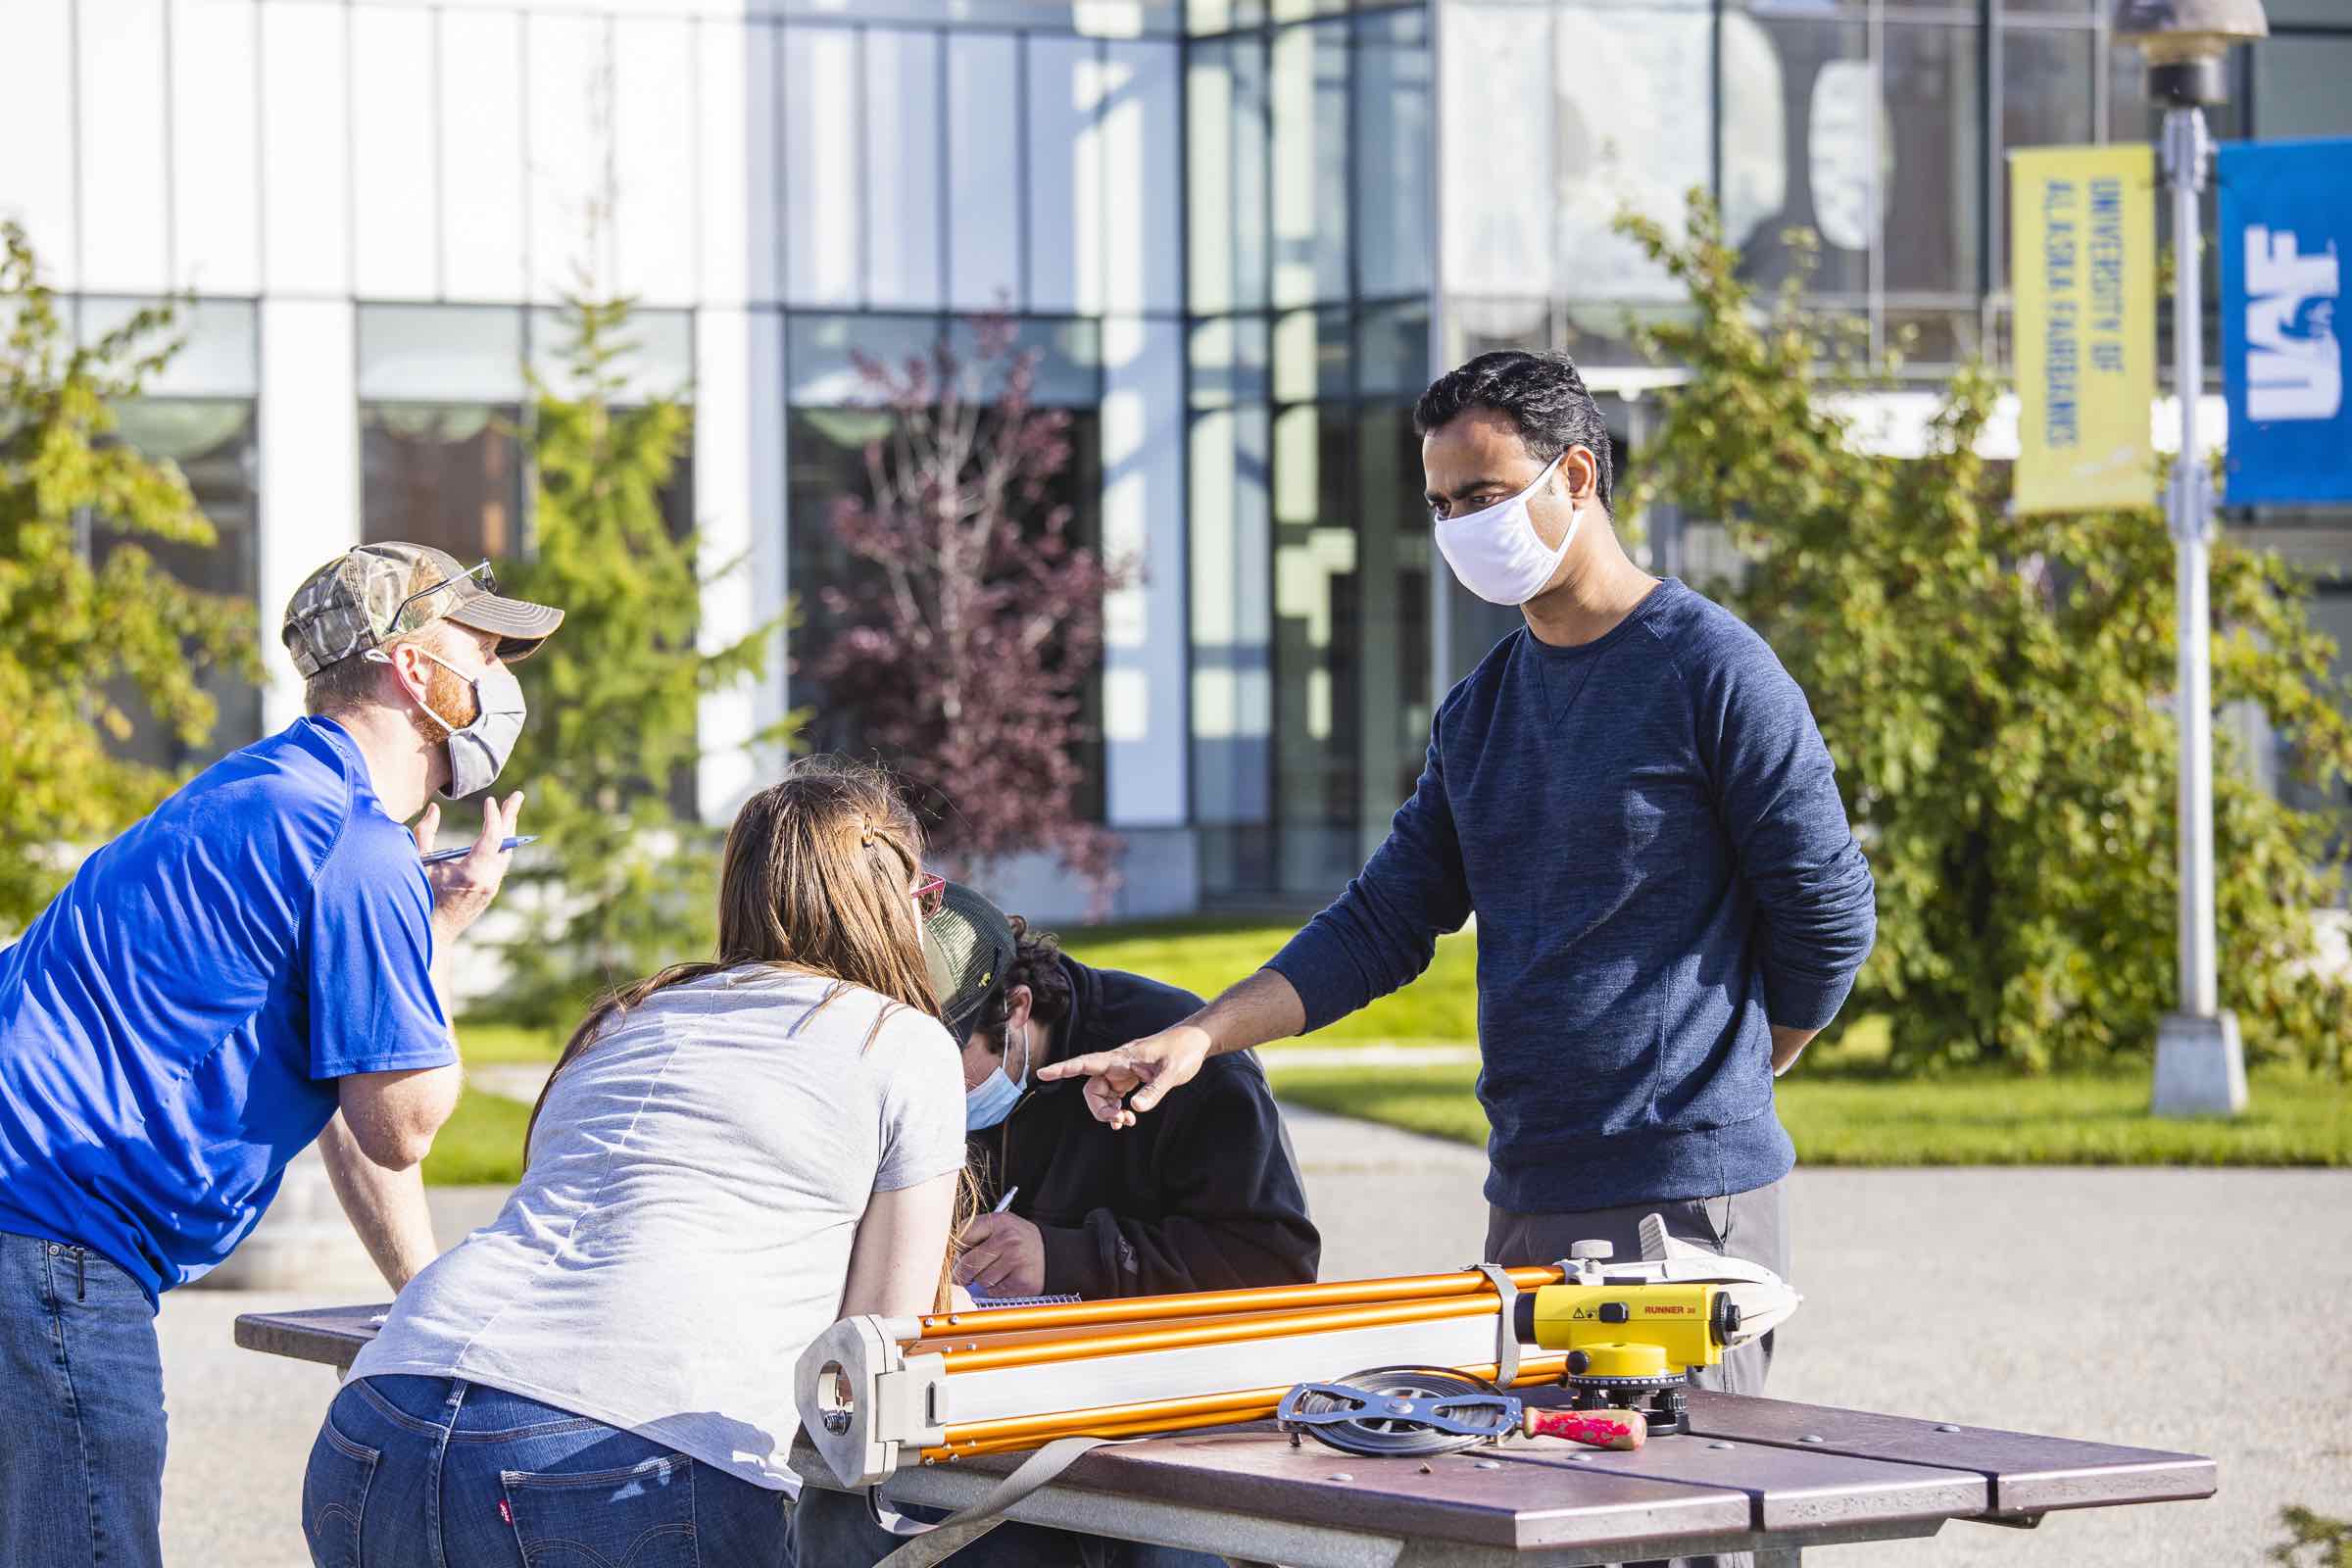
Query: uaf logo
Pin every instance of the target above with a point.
(2294, 369)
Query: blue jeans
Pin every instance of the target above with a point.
(81, 1411)
(414, 1472)
(834, 1530)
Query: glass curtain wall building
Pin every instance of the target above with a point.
(1240, 233)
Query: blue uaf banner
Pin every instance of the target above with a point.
(2287, 228)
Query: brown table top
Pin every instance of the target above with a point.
(1769, 1469)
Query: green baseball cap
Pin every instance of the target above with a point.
(366, 597)
(970, 946)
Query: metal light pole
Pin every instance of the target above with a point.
(2201, 1064)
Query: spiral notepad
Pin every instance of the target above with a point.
(988, 1303)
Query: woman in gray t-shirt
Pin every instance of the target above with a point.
(729, 1158)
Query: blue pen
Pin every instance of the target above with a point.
(459, 854)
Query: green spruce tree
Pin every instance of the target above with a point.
(621, 882)
(1996, 692)
(89, 623)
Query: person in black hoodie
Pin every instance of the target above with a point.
(1209, 1198)
(1205, 1196)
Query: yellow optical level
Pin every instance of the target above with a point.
(1642, 1328)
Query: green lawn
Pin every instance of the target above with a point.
(1207, 955)
(1838, 1106)
(481, 1143)
(484, 1044)
(1847, 1119)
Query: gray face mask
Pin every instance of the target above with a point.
(480, 750)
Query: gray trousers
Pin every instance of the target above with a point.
(1753, 1225)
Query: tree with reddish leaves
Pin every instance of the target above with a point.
(967, 630)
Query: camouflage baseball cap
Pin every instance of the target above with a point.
(369, 596)
(969, 948)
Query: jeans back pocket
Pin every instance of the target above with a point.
(334, 1496)
(638, 1517)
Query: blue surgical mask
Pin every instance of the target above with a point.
(992, 1100)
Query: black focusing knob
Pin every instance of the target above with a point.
(1578, 1361)
(1726, 1322)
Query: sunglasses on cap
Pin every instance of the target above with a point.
(930, 895)
(479, 573)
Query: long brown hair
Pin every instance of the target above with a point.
(816, 879)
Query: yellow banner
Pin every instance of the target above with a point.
(2083, 270)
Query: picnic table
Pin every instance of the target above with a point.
(1766, 1476)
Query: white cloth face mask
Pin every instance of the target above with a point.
(1496, 552)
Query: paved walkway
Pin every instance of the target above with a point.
(2204, 1311)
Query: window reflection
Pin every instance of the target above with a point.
(1815, 91)
(827, 461)
(2045, 102)
(214, 443)
(444, 474)
(1933, 150)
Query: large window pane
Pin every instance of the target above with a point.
(1312, 231)
(1143, 180)
(1497, 175)
(1810, 80)
(822, 205)
(214, 442)
(826, 456)
(2045, 102)
(1230, 714)
(1069, 358)
(984, 192)
(1391, 647)
(822, 353)
(1631, 132)
(1226, 171)
(1393, 129)
(2300, 86)
(1928, 172)
(654, 353)
(1065, 174)
(445, 474)
(1391, 355)
(902, 124)
(440, 354)
(1318, 618)
(218, 344)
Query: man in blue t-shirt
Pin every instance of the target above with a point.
(1630, 794)
(246, 970)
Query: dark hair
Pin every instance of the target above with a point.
(1541, 394)
(1037, 965)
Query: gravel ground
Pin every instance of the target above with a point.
(2199, 1310)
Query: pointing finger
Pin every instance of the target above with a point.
(1090, 1066)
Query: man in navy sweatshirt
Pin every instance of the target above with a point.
(1630, 794)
